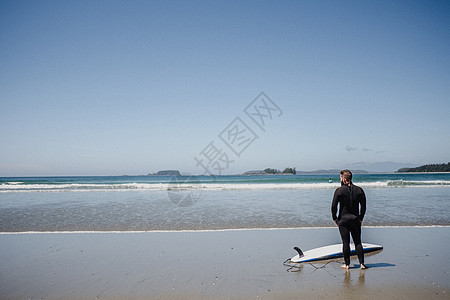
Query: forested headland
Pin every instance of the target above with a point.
(427, 168)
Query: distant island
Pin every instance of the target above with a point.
(166, 173)
(427, 168)
(292, 171)
(270, 171)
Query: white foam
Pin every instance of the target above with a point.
(212, 230)
(83, 187)
(80, 187)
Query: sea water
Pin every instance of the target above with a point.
(162, 203)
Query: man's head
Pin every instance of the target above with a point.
(346, 176)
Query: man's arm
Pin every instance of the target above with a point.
(334, 206)
(362, 202)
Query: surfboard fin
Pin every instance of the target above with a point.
(299, 251)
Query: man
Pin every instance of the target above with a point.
(352, 207)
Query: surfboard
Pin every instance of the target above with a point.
(330, 252)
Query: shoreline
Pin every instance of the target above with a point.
(231, 264)
(208, 230)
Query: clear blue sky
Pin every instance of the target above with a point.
(132, 87)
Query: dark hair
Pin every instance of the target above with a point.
(346, 174)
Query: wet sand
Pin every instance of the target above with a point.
(242, 264)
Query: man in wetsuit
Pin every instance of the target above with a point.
(352, 207)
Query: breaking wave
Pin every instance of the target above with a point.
(80, 187)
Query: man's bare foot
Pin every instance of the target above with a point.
(345, 267)
(363, 267)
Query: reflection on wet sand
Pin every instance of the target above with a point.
(348, 281)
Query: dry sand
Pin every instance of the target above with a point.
(246, 264)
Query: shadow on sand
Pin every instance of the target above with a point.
(379, 265)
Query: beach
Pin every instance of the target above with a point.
(222, 264)
(146, 238)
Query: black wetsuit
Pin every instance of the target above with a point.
(352, 207)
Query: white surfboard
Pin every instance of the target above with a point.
(330, 252)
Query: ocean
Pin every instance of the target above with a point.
(164, 203)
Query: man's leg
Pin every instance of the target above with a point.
(345, 236)
(356, 236)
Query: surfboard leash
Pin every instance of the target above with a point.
(321, 266)
(298, 267)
